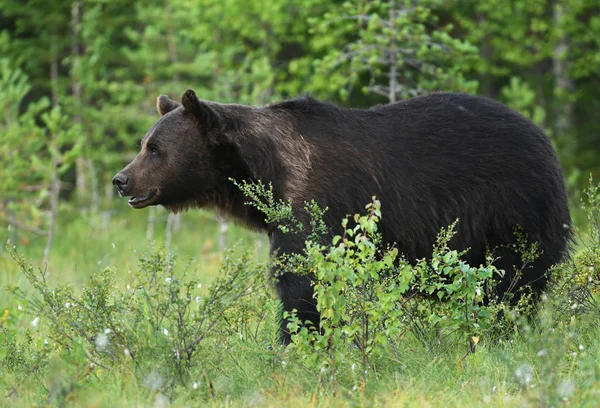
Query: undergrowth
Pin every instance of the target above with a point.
(158, 335)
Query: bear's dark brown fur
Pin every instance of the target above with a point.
(429, 160)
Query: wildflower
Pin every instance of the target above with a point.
(35, 322)
(126, 352)
(581, 347)
(524, 375)
(101, 341)
(565, 389)
(20, 307)
(166, 332)
(153, 381)
(68, 305)
(195, 385)
(168, 280)
(542, 353)
(161, 401)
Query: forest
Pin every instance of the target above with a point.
(78, 86)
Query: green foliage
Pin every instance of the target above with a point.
(162, 326)
(100, 66)
(104, 63)
(579, 280)
(399, 44)
(369, 298)
(389, 331)
(35, 154)
(276, 212)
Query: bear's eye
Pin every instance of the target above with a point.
(153, 149)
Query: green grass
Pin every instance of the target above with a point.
(549, 364)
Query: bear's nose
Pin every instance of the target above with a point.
(121, 181)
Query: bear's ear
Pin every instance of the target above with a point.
(164, 105)
(207, 116)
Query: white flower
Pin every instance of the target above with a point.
(153, 381)
(113, 245)
(101, 341)
(161, 401)
(126, 352)
(35, 322)
(283, 362)
(128, 287)
(581, 347)
(20, 307)
(198, 299)
(542, 353)
(524, 375)
(68, 305)
(199, 286)
(168, 280)
(240, 335)
(195, 385)
(106, 331)
(166, 332)
(565, 389)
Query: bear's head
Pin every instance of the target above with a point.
(181, 160)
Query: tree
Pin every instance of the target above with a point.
(36, 157)
(399, 45)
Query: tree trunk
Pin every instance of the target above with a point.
(151, 222)
(223, 227)
(54, 180)
(393, 56)
(54, 196)
(169, 231)
(171, 40)
(80, 179)
(486, 88)
(173, 220)
(564, 87)
(54, 73)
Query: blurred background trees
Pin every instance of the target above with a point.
(79, 79)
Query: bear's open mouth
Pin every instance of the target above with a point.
(141, 202)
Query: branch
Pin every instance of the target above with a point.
(28, 228)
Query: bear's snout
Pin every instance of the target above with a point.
(121, 181)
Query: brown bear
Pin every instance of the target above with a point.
(429, 160)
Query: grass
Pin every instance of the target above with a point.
(547, 363)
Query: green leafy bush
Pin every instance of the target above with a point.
(161, 326)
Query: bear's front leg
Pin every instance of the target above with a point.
(294, 289)
(296, 293)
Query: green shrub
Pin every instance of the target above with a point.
(160, 326)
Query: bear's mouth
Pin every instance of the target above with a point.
(145, 201)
